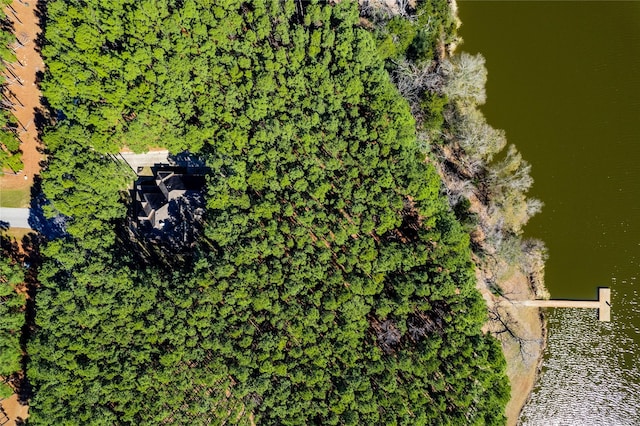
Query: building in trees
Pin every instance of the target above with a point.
(167, 201)
(155, 193)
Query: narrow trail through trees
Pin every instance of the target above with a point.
(24, 92)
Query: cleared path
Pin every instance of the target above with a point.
(603, 304)
(16, 218)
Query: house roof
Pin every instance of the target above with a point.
(153, 193)
(171, 184)
(153, 201)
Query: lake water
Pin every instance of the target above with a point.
(564, 82)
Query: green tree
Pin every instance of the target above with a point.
(12, 319)
(332, 285)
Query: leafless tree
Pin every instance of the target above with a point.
(413, 80)
(534, 206)
(535, 255)
(504, 326)
(512, 173)
(457, 190)
(466, 77)
(386, 9)
(477, 137)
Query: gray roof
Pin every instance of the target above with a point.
(154, 194)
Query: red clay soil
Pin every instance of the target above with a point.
(27, 94)
(14, 410)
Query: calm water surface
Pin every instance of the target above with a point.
(564, 82)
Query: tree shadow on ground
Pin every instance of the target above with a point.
(8, 246)
(171, 247)
(31, 262)
(41, 14)
(26, 254)
(49, 228)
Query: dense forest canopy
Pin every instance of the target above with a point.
(332, 284)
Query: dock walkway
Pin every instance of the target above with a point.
(603, 304)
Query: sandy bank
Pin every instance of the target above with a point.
(521, 332)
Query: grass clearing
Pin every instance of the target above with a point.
(15, 197)
(16, 233)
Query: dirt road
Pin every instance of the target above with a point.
(21, 79)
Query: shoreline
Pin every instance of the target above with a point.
(521, 331)
(538, 369)
(523, 369)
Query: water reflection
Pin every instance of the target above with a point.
(593, 376)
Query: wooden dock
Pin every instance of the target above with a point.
(603, 304)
